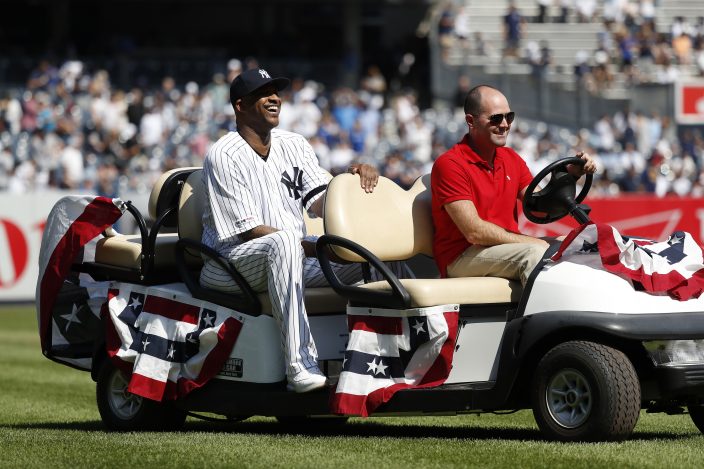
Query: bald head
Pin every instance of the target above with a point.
(473, 101)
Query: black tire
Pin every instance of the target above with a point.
(123, 411)
(696, 412)
(584, 391)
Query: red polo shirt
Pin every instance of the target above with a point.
(461, 174)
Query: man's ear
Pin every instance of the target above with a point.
(238, 105)
(469, 119)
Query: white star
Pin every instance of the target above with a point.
(208, 320)
(71, 318)
(135, 303)
(373, 367)
(192, 339)
(676, 240)
(381, 368)
(344, 362)
(171, 351)
(418, 327)
(145, 342)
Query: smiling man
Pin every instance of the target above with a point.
(259, 181)
(475, 186)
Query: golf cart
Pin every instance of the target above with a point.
(579, 345)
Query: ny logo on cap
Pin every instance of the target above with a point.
(263, 73)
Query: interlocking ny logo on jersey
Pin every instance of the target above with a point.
(293, 184)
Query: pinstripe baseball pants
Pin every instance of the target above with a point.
(276, 263)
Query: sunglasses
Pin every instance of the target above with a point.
(497, 119)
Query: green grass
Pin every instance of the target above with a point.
(48, 418)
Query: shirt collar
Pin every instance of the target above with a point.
(473, 157)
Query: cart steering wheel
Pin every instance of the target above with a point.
(557, 198)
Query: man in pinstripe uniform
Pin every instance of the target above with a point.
(259, 180)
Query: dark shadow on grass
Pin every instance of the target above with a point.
(353, 429)
(87, 426)
(380, 429)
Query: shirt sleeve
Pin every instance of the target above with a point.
(315, 178)
(449, 183)
(234, 209)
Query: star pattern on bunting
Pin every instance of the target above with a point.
(71, 317)
(418, 326)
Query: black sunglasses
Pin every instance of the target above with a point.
(497, 119)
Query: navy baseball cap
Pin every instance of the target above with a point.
(251, 80)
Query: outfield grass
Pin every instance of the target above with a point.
(48, 418)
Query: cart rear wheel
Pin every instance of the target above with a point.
(584, 391)
(123, 411)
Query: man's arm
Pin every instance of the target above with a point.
(478, 231)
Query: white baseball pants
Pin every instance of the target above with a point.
(276, 263)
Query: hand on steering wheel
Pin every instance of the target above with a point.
(557, 198)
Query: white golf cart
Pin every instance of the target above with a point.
(578, 345)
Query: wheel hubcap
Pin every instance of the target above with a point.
(569, 398)
(123, 404)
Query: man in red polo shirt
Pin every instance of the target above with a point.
(475, 186)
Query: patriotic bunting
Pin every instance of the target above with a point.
(674, 267)
(390, 350)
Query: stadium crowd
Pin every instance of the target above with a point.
(70, 128)
(629, 42)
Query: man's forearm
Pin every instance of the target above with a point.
(257, 232)
(488, 234)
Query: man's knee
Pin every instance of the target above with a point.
(284, 244)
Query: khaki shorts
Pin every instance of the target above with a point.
(512, 261)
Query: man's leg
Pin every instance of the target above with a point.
(512, 261)
(275, 263)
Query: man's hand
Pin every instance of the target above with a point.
(368, 176)
(578, 171)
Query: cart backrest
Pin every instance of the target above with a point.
(165, 194)
(393, 223)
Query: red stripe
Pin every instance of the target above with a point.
(376, 324)
(171, 309)
(147, 387)
(568, 240)
(440, 370)
(96, 217)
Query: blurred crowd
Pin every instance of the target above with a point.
(69, 128)
(628, 43)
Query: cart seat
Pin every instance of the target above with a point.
(395, 225)
(319, 300)
(144, 258)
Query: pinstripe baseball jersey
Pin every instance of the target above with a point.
(246, 190)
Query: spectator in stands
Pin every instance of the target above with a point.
(543, 6)
(585, 10)
(565, 7)
(513, 30)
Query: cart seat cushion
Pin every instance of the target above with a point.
(126, 251)
(461, 290)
